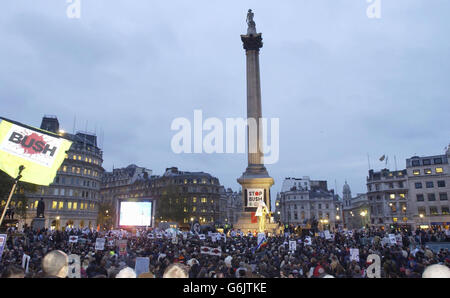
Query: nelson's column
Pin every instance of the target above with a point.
(255, 181)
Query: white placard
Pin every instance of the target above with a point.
(73, 239)
(142, 265)
(100, 244)
(308, 240)
(25, 262)
(254, 196)
(201, 236)
(327, 235)
(392, 239)
(74, 266)
(354, 254)
(292, 245)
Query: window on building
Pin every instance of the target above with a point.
(439, 170)
(438, 161)
(54, 204)
(74, 205)
(194, 200)
(61, 205)
(443, 196)
(441, 183)
(421, 210)
(392, 196)
(426, 162)
(402, 196)
(204, 200)
(416, 172)
(415, 163)
(418, 185)
(431, 197)
(69, 205)
(429, 184)
(420, 198)
(433, 210)
(400, 184)
(445, 210)
(427, 171)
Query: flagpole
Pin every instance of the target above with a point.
(21, 168)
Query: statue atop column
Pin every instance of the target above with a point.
(251, 23)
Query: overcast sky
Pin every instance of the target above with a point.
(343, 85)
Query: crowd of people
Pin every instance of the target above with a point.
(240, 255)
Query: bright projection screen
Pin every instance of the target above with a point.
(135, 213)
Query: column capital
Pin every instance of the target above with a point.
(252, 42)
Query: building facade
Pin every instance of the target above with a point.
(429, 189)
(195, 194)
(387, 192)
(72, 199)
(131, 182)
(307, 202)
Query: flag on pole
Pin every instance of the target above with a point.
(40, 151)
(383, 157)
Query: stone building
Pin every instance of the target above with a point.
(232, 208)
(124, 183)
(356, 210)
(429, 189)
(72, 199)
(387, 192)
(309, 201)
(197, 193)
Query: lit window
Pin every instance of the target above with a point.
(416, 172)
(74, 157)
(194, 209)
(204, 200)
(395, 219)
(64, 168)
(79, 157)
(75, 205)
(439, 170)
(392, 196)
(195, 181)
(35, 204)
(61, 205)
(427, 171)
(69, 205)
(194, 200)
(402, 195)
(54, 204)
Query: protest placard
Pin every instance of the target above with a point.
(292, 245)
(100, 244)
(142, 265)
(327, 235)
(74, 266)
(123, 247)
(73, 239)
(2, 244)
(392, 239)
(25, 262)
(354, 254)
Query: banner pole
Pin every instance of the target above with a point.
(21, 168)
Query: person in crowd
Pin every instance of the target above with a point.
(55, 264)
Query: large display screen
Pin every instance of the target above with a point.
(135, 213)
